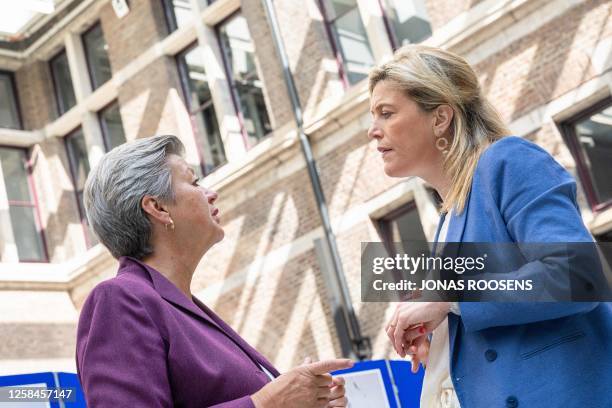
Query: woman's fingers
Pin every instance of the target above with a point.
(339, 402)
(337, 392)
(413, 332)
(415, 364)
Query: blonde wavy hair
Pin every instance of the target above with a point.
(432, 77)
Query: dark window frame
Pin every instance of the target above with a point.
(383, 224)
(335, 46)
(34, 203)
(60, 109)
(390, 32)
(101, 122)
(393, 40)
(92, 83)
(184, 80)
(73, 178)
(11, 75)
(169, 16)
(232, 83)
(568, 132)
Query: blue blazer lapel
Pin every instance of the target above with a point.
(456, 228)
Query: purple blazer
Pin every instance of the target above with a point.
(142, 343)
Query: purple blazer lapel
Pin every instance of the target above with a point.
(168, 291)
(251, 352)
(172, 294)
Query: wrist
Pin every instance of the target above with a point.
(261, 399)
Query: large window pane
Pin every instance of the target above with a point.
(15, 175)
(112, 127)
(25, 231)
(350, 38)
(199, 102)
(9, 115)
(402, 226)
(22, 209)
(77, 152)
(239, 54)
(79, 169)
(594, 136)
(62, 81)
(97, 56)
(178, 13)
(408, 21)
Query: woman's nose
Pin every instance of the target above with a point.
(212, 196)
(374, 132)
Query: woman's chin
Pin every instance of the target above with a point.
(395, 171)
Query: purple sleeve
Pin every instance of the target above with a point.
(121, 355)
(244, 402)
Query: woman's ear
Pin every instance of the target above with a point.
(155, 210)
(443, 117)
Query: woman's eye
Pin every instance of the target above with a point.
(386, 114)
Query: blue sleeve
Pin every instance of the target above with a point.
(537, 199)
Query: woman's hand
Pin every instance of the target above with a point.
(306, 386)
(419, 350)
(412, 320)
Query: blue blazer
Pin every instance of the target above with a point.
(527, 354)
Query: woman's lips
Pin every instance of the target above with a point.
(215, 214)
(384, 150)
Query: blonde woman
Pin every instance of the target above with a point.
(430, 120)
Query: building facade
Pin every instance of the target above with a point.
(93, 74)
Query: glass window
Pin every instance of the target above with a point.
(9, 113)
(199, 102)
(22, 208)
(407, 21)
(178, 13)
(62, 82)
(79, 169)
(96, 52)
(239, 55)
(112, 126)
(401, 226)
(349, 38)
(590, 139)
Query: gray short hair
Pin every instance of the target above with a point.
(115, 187)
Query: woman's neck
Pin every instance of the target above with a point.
(177, 269)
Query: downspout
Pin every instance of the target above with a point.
(360, 346)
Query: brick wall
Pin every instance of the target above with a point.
(35, 94)
(130, 36)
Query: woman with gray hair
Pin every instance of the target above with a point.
(143, 339)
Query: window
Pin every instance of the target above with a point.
(9, 112)
(239, 55)
(401, 225)
(349, 38)
(179, 12)
(27, 231)
(589, 137)
(79, 169)
(62, 83)
(406, 21)
(97, 56)
(112, 126)
(200, 105)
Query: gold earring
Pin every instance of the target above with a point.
(171, 225)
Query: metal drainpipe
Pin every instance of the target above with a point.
(361, 346)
